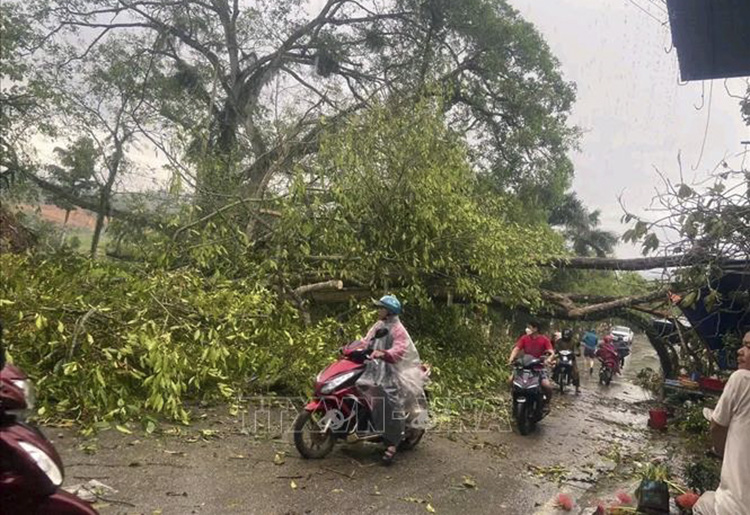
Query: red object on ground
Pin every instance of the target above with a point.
(624, 498)
(565, 502)
(657, 419)
(708, 383)
(687, 500)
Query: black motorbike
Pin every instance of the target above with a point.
(529, 400)
(563, 371)
(623, 349)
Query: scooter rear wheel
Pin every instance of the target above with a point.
(310, 441)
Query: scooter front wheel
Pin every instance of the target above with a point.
(523, 420)
(311, 442)
(563, 380)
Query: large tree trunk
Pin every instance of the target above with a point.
(646, 263)
(562, 308)
(101, 213)
(105, 195)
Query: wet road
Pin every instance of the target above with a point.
(229, 464)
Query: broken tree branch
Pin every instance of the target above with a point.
(573, 312)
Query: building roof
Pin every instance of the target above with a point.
(712, 37)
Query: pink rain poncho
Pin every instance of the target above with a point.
(397, 379)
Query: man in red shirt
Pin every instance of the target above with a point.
(536, 345)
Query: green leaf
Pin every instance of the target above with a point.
(690, 299)
(123, 429)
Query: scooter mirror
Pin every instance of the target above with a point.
(380, 333)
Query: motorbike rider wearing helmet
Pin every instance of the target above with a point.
(537, 345)
(565, 342)
(608, 352)
(393, 378)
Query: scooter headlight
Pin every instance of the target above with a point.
(44, 462)
(27, 387)
(336, 382)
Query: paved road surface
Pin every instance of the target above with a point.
(216, 467)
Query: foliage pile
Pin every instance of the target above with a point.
(103, 341)
(107, 342)
(14, 237)
(431, 171)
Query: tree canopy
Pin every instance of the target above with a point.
(240, 93)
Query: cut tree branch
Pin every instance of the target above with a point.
(326, 285)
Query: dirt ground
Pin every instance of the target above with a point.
(476, 464)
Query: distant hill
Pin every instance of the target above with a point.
(79, 218)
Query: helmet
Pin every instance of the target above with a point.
(567, 334)
(390, 303)
(608, 338)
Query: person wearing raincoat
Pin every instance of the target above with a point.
(393, 378)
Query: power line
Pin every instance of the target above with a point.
(708, 121)
(648, 13)
(658, 6)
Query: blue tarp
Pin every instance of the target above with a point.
(730, 316)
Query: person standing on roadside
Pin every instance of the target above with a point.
(730, 435)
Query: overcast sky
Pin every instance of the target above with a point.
(635, 114)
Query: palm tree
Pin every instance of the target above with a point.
(580, 227)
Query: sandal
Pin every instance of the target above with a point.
(388, 455)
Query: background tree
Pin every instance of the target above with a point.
(75, 173)
(580, 227)
(249, 89)
(22, 98)
(102, 96)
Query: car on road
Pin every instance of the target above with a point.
(620, 331)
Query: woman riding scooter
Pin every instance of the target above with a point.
(393, 379)
(608, 352)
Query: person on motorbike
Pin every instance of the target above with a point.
(537, 345)
(565, 342)
(393, 378)
(608, 352)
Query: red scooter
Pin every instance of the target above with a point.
(340, 411)
(31, 471)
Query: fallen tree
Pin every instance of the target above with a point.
(644, 263)
(560, 306)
